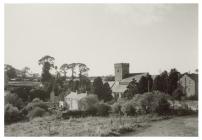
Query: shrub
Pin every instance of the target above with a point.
(37, 112)
(13, 99)
(102, 109)
(116, 108)
(22, 92)
(89, 104)
(36, 103)
(11, 113)
(128, 109)
(38, 93)
(178, 93)
(163, 107)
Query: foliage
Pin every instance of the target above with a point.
(72, 67)
(98, 88)
(161, 82)
(88, 104)
(173, 80)
(47, 62)
(22, 92)
(128, 109)
(102, 109)
(116, 108)
(10, 71)
(178, 93)
(64, 69)
(14, 100)
(36, 103)
(131, 90)
(37, 112)
(107, 92)
(11, 113)
(145, 84)
(83, 69)
(38, 93)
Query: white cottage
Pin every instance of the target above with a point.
(72, 100)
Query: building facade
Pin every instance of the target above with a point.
(189, 84)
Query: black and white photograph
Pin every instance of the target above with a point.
(101, 70)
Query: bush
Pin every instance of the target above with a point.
(178, 93)
(163, 107)
(37, 112)
(13, 99)
(11, 114)
(36, 103)
(89, 104)
(128, 109)
(116, 108)
(102, 109)
(22, 92)
(38, 93)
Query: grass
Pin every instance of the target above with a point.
(88, 126)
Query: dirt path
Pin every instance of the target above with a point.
(178, 126)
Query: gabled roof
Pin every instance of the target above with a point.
(74, 95)
(135, 76)
(193, 76)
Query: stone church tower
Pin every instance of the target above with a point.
(121, 70)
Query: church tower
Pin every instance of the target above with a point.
(121, 70)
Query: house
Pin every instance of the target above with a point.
(72, 100)
(189, 84)
(122, 79)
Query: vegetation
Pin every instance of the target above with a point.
(102, 91)
(13, 100)
(11, 114)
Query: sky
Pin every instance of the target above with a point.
(151, 37)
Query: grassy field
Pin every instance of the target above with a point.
(88, 126)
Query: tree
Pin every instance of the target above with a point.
(72, 66)
(173, 80)
(64, 69)
(132, 89)
(47, 62)
(10, 71)
(145, 84)
(107, 92)
(82, 69)
(98, 88)
(161, 82)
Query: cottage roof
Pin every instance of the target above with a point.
(74, 95)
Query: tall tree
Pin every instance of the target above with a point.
(161, 82)
(132, 89)
(107, 92)
(64, 69)
(82, 69)
(173, 80)
(98, 88)
(145, 84)
(47, 63)
(72, 66)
